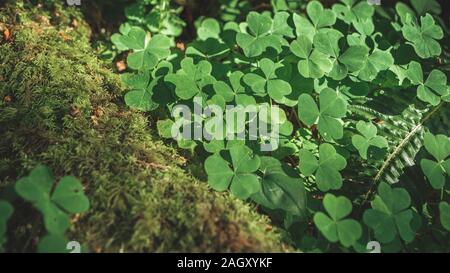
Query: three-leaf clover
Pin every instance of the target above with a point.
(326, 169)
(423, 38)
(319, 18)
(367, 138)
(234, 91)
(313, 63)
(439, 147)
(433, 89)
(350, 12)
(278, 189)
(240, 178)
(378, 61)
(257, 40)
(67, 197)
(390, 214)
(140, 96)
(334, 226)
(6, 210)
(263, 32)
(191, 78)
(268, 82)
(327, 41)
(147, 52)
(328, 118)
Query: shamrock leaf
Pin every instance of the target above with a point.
(327, 42)
(263, 32)
(140, 96)
(390, 214)
(147, 52)
(209, 28)
(433, 89)
(240, 178)
(326, 169)
(319, 18)
(333, 226)
(355, 57)
(423, 38)
(278, 189)
(191, 78)
(269, 83)
(116, 38)
(6, 210)
(350, 12)
(235, 91)
(367, 138)
(280, 26)
(165, 128)
(313, 63)
(208, 49)
(378, 61)
(68, 197)
(424, 6)
(444, 212)
(53, 243)
(439, 147)
(332, 108)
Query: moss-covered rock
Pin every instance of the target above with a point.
(60, 107)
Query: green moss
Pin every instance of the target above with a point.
(60, 107)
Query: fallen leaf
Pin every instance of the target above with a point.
(121, 66)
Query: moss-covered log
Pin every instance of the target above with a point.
(60, 107)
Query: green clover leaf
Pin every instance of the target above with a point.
(68, 197)
(241, 178)
(279, 190)
(263, 32)
(313, 63)
(209, 28)
(269, 83)
(349, 12)
(6, 210)
(367, 138)
(234, 91)
(424, 6)
(333, 226)
(355, 57)
(140, 95)
(207, 49)
(328, 118)
(378, 61)
(165, 128)
(258, 39)
(439, 147)
(326, 169)
(318, 19)
(433, 89)
(191, 78)
(390, 214)
(327, 41)
(280, 26)
(147, 52)
(444, 212)
(423, 38)
(53, 243)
